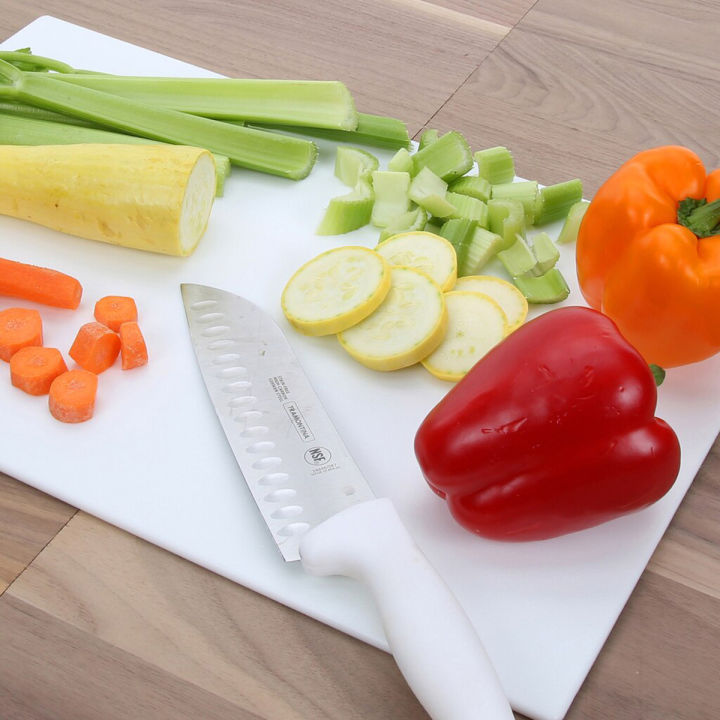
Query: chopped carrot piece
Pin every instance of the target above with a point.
(32, 369)
(133, 350)
(114, 310)
(19, 328)
(39, 284)
(72, 396)
(95, 347)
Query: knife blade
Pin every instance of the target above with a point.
(320, 509)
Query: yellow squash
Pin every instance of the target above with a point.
(149, 197)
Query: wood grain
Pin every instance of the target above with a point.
(398, 57)
(118, 592)
(29, 519)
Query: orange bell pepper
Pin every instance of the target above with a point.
(648, 255)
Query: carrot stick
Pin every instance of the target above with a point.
(133, 350)
(95, 347)
(32, 369)
(72, 396)
(114, 310)
(39, 284)
(19, 328)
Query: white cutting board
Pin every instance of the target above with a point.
(154, 460)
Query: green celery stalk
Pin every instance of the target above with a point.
(554, 201)
(411, 221)
(449, 156)
(348, 212)
(250, 148)
(23, 110)
(373, 130)
(18, 130)
(571, 226)
(305, 103)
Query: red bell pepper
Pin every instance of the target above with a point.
(553, 431)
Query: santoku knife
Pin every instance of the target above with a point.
(321, 511)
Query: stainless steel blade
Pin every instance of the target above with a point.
(292, 458)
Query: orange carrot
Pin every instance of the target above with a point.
(19, 328)
(133, 350)
(32, 369)
(39, 284)
(95, 347)
(72, 396)
(114, 310)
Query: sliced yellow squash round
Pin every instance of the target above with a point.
(409, 324)
(509, 297)
(476, 323)
(336, 290)
(424, 251)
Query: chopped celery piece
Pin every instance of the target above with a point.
(507, 219)
(401, 161)
(547, 288)
(554, 201)
(571, 226)
(518, 259)
(428, 136)
(428, 191)
(468, 207)
(472, 185)
(247, 147)
(449, 157)
(373, 130)
(352, 163)
(525, 192)
(495, 164)
(391, 196)
(545, 251)
(18, 130)
(411, 221)
(348, 212)
(304, 103)
(485, 246)
(473, 245)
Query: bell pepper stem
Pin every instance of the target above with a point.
(700, 216)
(658, 374)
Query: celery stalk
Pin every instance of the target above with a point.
(16, 130)
(410, 221)
(349, 212)
(545, 251)
(495, 164)
(449, 156)
(571, 226)
(352, 163)
(525, 192)
(472, 185)
(507, 219)
(554, 201)
(518, 259)
(401, 161)
(429, 191)
(391, 196)
(547, 288)
(249, 148)
(374, 130)
(468, 207)
(305, 103)
(474, 246)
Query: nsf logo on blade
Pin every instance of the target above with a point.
(317, 455)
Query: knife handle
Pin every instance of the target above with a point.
(433, 641)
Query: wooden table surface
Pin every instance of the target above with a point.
(97, 624)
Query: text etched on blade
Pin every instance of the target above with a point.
(298, 421)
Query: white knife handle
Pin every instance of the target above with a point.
(433, 642)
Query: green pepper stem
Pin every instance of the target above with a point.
(700, 216)
(658, 374)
